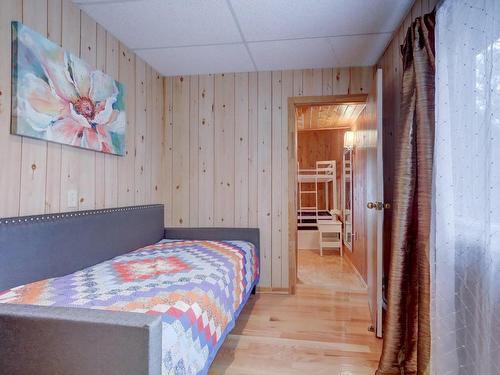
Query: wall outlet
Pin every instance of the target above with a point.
(72, 199)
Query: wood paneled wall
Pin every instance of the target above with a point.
(36, 175)
(392, 66)
(227, 158)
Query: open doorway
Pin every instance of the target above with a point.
(340, 174)
(325, 192)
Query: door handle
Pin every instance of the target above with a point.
(379, 206)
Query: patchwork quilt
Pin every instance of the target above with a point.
(198, 287)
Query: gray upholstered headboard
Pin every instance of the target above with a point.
(38, 247)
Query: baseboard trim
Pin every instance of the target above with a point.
(271, 290)
(355, 270)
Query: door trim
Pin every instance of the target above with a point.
(380, 192)
(293, 102)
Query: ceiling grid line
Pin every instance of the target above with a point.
(255, 41)
(231, 9)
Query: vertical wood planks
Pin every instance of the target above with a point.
(241, 133)
(111, 161)
(224, 150)
(54, 150)
(361, 80)
(307, 82)
(276, 182)
(126, 164)
(286, 92)
(9, 144)
(141, 183)
(86, 158)
(297, 91)
(34, 152)
(159, 147)
(180, 156)
(298, 83)
(265, 175)
(169, 144)
(150, 124)
(292, 193)
(317, 81)
(193, 151)
(341, 81)
(206, 150)
(253, 150)
(100, 199)
(70, 163)
(327, 82)
(312, 82)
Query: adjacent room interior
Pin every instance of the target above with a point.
(325, 191)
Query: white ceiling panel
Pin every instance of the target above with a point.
(293, 54)
(366, 51)
(286, 19)
(166, 23)
(215, 36)
(199, 60)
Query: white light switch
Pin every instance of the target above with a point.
(72, 199)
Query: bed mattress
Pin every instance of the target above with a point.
(198, 288)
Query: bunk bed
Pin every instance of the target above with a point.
(324, 174)
(317, 223)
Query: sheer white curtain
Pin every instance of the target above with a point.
(466, 196)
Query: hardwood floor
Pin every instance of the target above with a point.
(323, 329)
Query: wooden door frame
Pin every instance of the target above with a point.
(293, 102)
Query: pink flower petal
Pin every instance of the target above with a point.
(66, 130)
(41, 97)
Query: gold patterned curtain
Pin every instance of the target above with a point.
(406, 345)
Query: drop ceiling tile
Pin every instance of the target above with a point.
(362, 50)
(293, 54)
(199, 60)
(166, 23)
(286, 19)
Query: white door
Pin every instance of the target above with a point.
(374, 200)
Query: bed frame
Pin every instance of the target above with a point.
(57, 340)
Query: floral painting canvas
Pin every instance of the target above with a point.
(58, 97)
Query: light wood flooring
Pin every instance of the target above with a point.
(322, 329)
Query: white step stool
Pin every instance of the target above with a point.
(330, 235)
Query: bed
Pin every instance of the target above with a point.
(162, 304)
